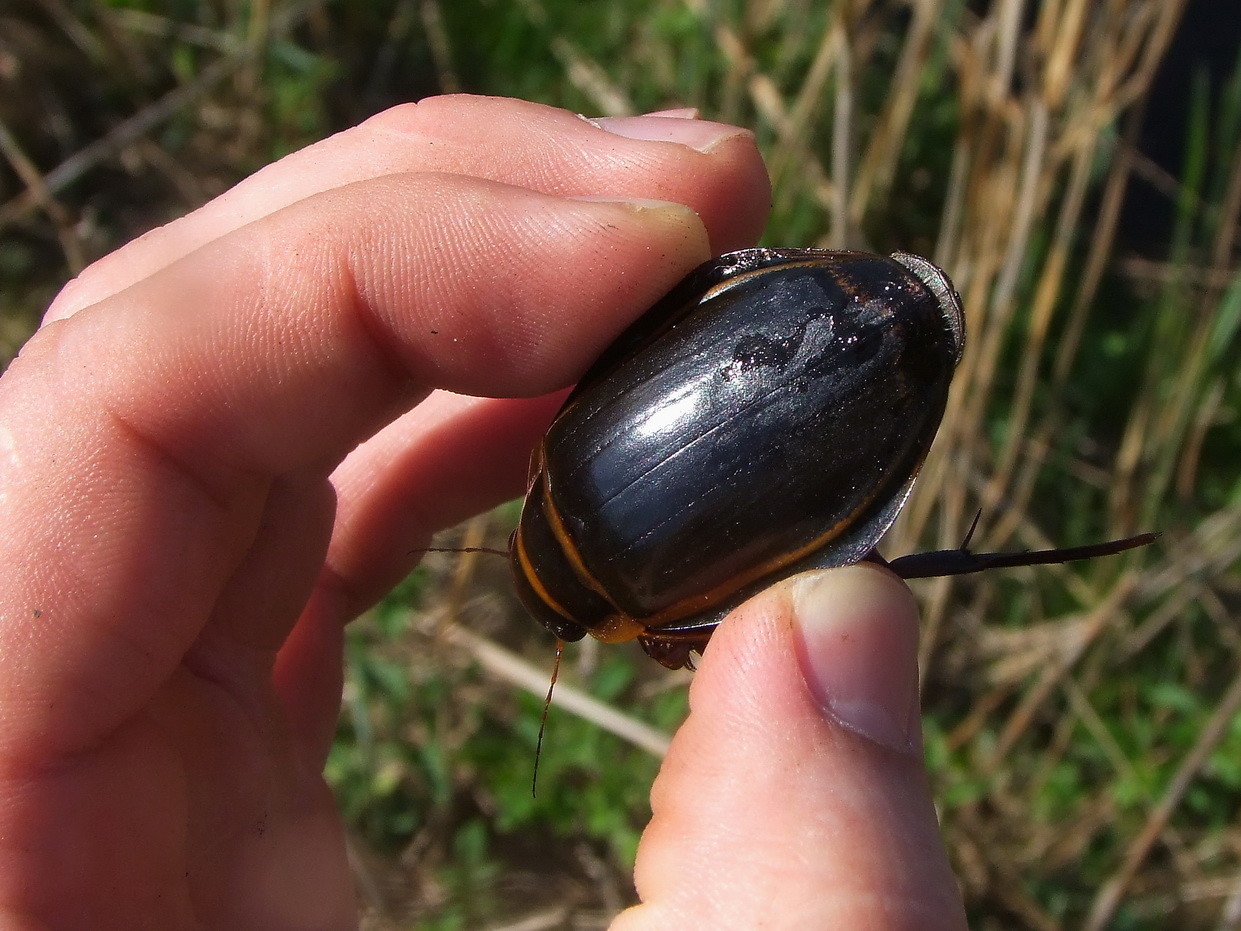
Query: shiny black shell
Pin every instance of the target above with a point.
(767, 416)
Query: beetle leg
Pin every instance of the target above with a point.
(963, 562)
(673, 648)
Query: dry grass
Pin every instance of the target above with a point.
(1081, 720)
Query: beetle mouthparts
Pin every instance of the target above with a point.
(934, 278)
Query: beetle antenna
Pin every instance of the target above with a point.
(547, 703)
(460, 549)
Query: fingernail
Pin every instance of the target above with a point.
(858, 648)
(661, 209)
(634, 203)
(680, 113)
(697, 134)
(669, 216)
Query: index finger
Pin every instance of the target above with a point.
(142, 435)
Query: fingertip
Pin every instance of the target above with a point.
(737, 210)
(675, 230)
(856, 636)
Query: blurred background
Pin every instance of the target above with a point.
(1074, 165)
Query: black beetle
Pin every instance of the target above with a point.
(766, 417)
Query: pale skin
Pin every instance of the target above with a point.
(227, 439)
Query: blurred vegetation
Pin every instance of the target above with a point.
(1081, 721)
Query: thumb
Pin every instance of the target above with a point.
(795, 793)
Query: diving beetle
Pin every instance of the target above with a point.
(766, 417)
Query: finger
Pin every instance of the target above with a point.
(142, 445)
(795, 794)
(393, 491)
(449, 458)
(510, 141)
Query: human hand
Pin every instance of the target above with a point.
(190, 519)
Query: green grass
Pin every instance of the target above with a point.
(1081, 723)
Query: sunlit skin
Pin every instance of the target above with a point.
(227, 439)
